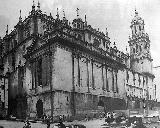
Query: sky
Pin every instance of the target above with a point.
(115, 15)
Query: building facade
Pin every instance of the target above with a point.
(55, 67)
(3, 88)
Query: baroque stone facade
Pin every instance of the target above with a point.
(58, 68)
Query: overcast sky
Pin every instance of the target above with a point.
(116, 15)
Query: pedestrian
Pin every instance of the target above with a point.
(27, 124)
(61, 125)
(60, 118)
(132, 125)
(108, 119)
(48, 122)
(112, 118)
(44, 117)
(86, 117)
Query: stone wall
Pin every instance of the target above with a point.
(62, 70)
(93, 82)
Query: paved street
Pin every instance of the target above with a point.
(14, 124)
(89, 124)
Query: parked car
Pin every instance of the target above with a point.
(70, 126)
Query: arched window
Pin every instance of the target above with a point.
(39, 71)
(79, 36)
(13, 61)
(145, 46)
(140, 48)
(78, 25)
(135, 29)
(101, 103)
(136, 48)
(139, 27)
(133, 50)
(103, 43)
(89, 36)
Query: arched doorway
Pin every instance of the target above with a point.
(101, 103)
(137, 104)
(39, 107)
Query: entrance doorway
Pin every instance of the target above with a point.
(39, 107)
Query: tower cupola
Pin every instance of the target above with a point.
(137, 25)
(78, 23)
(140, 56)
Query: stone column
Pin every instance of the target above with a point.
(73, 109)
(92, 76)
(79, 79)
(51, 88)
(102, 79)
(107, 87)
(112, 80)
(87, 76)
(116, 82)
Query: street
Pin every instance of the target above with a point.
(15, 124)
(89, 124)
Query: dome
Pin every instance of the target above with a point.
(78, 20)
(137, 19)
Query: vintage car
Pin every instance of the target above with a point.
(70, 126)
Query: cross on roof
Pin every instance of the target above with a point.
(77, 12)
(64, 13)
(57, 14)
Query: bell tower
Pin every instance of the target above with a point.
(139, 43)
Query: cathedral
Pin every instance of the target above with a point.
(55, 67)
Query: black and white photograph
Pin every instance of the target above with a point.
(79, 63)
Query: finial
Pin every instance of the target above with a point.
(7, 30)
(114, 43)
(106, 32)
(57, 14)
(136, 13)
(126, 49)
(63, 14)
(33, 3)
(33, 6)
(50, 14)
(77, 12)
(98, 29)
(85, 21)
(38, 6)
(20, 18)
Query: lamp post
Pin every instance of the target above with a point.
(156, 83)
